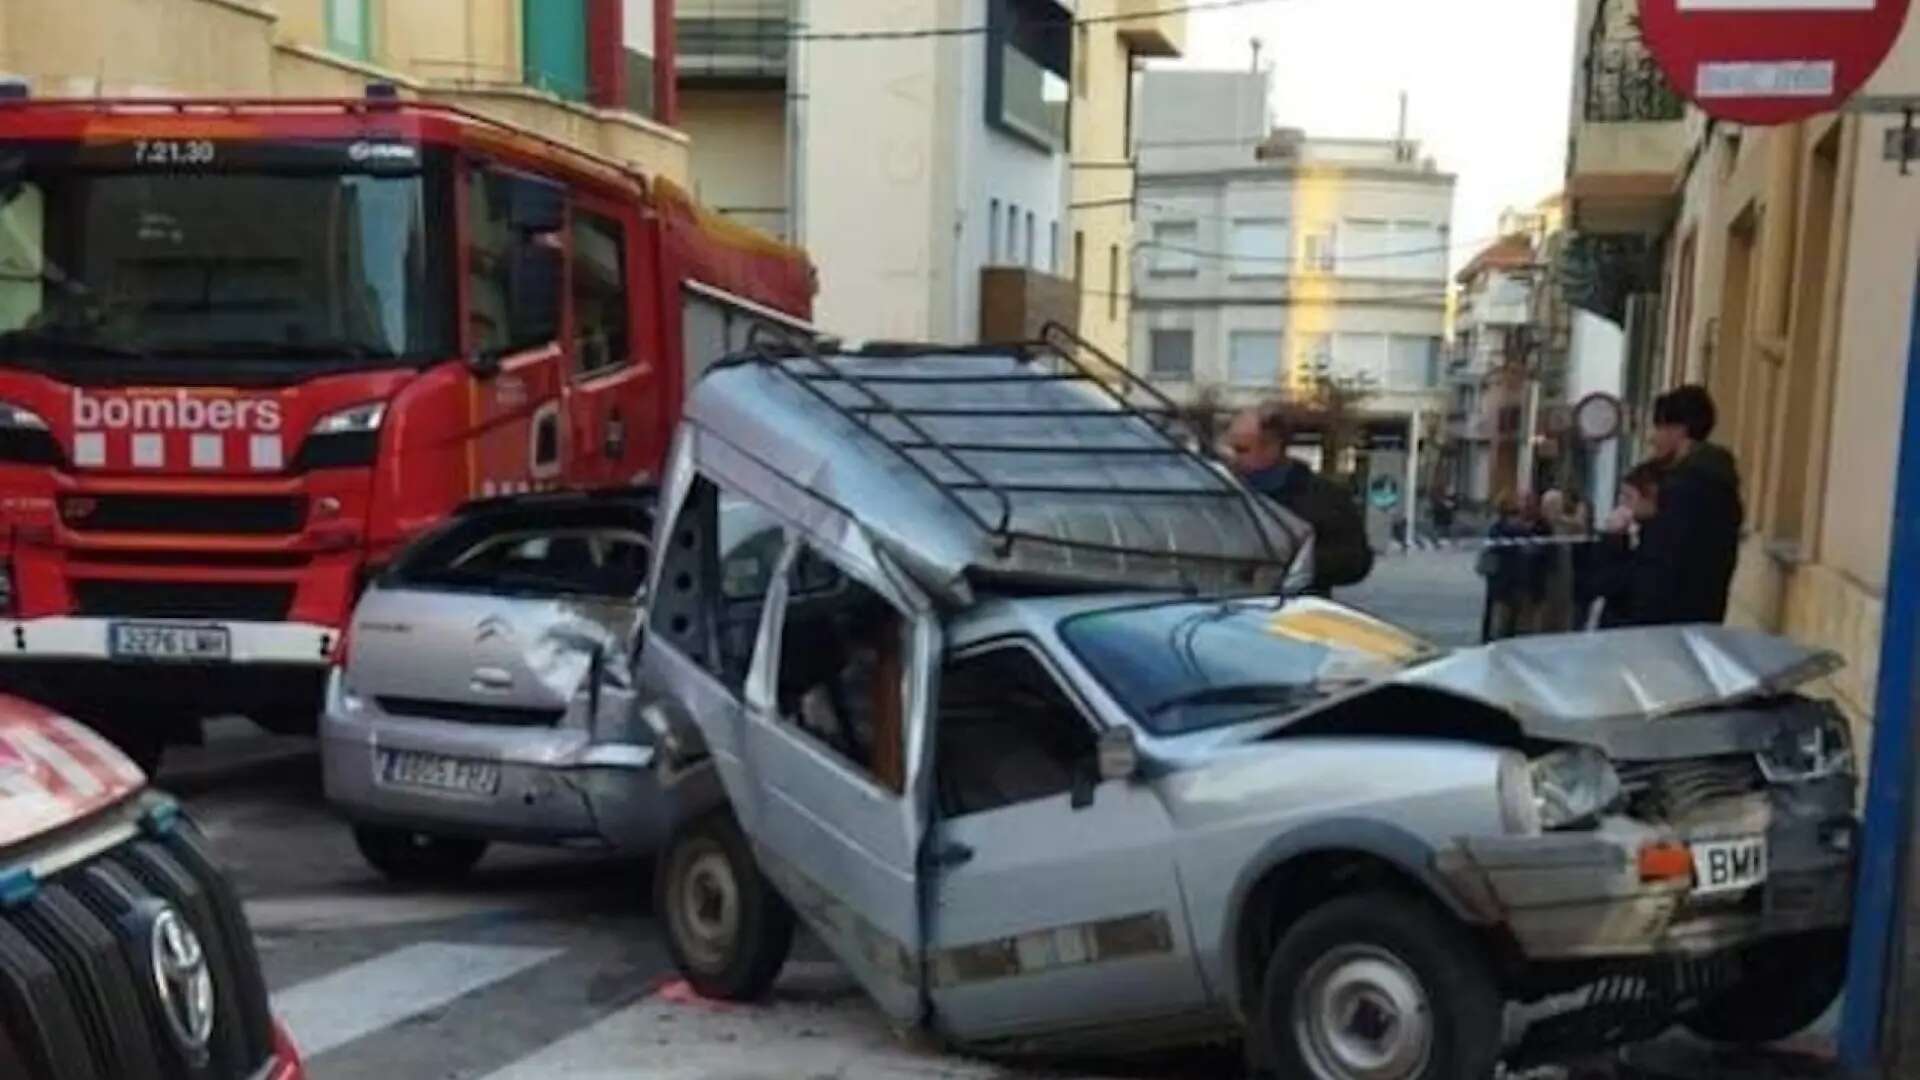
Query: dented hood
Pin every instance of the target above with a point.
(1602, 688)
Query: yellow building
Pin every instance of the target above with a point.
(1788, 259)
(1106, 50)
(593, 73)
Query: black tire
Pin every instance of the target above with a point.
(1420, 1000)
(417, 858)
(728, 930)
(1785, 985)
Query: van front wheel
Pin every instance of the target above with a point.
(728, 930)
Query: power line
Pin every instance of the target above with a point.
(1228, 256)
(921, 33)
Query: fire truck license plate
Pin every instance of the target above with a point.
(408, 768)
(1723, 866)
(160, 641)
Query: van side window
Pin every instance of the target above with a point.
(843, 656)
(749, 543)
(1006, 733)
(715, 566)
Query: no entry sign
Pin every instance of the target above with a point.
(1770, 61)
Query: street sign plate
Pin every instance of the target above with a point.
(1770, 61)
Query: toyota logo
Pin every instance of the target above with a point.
(181, 980)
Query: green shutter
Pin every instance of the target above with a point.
(556, 46)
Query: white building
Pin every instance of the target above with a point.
(1265, 255)
(929, 177)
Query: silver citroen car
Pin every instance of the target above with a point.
(485, 693)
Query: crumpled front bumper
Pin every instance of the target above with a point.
(1580, 895)
(557, 786)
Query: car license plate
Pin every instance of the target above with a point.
(439, 772)
(167, 641)
(1724, 866)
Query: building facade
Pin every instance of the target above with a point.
(1268, 259)
(956, 186)
(1779, 264)
(596, 74)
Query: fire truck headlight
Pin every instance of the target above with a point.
(25, 438)
(353, 421)
(345, 439)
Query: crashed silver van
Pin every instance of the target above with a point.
(1011, 718)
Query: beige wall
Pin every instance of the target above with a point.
(739, 153)
(465, 52)
(1102, 66)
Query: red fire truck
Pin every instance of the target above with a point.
(249, 348)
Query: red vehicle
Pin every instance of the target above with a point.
(124, 952)
(249, 349)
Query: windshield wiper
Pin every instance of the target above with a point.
(13, 341)
(1242, 694)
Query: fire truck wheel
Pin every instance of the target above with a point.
(416, 857)
(728, 930)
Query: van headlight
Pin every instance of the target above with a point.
(1823, 750)
(1572, 785)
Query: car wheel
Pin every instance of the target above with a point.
(1785, 985)
(417, 857)
(728, 930)
(1379, 986)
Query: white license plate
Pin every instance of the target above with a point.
(408, 768)
(1724, 866)
(168, 641)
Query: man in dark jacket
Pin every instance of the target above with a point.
(1691, 544)
(1257, 443)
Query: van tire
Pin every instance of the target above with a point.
(728, 930)
(1372, 951)
(417, 858)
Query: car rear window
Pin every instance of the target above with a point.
(569, 554)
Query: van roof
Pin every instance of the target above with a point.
(1018, 465)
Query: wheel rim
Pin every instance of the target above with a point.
(707, 914)
(1360, 1013)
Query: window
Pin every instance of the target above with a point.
(1314, 357)
(1113, 281)
(637, 50)
(513, 264)
(1079, 257)
(993, 232)
(348, 28)
(1031, 240)
(1053, 247)
(1318, 252)
(1253, 358)
(1176, 247)
(1259, 248)
(1171, 355)
(1081, 48)
(843, 654)
(555, 46)
(1013, 232)
(1364, 245)
(1028, 58)
(1413, 362)
(1361, 356)
(715, 566)
(1007, 734)
(1420, 251)
(600, 339)
(564, 550)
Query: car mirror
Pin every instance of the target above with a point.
(1119, 754)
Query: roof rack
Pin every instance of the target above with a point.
(909, 428)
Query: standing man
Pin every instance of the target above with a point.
(1256, 445)
(1693, 540)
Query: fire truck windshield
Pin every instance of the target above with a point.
(295, 272)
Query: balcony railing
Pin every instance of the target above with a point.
(733, 47)
(1626, 85)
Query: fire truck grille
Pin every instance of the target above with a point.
(183, 600)
(246, 515)
(78, 996)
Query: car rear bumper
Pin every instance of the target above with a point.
(1579, 896)
(285, 1063)
(556, 786)
(75, 638)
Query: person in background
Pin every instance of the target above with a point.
(1624, 582)
(1693, 538)
(1256, 446)
(1515, 569)
(1566, 525)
